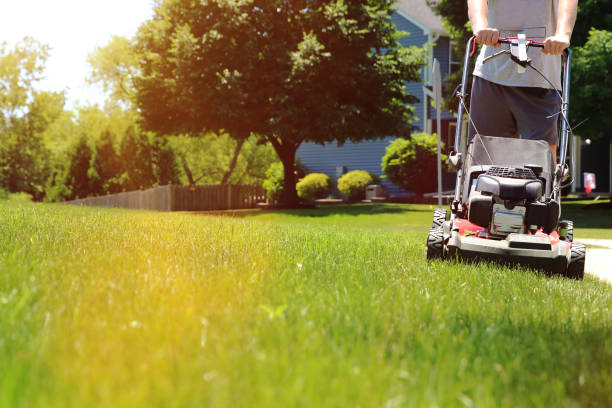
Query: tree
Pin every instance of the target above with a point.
(592, 84)
(411, 163)
(106, 166)
(147, 161)
(114, 66)
(25, 115)
(274, 184)
(165, 166)
(591, 14)
(205, 159)
(255, 158)
(76, 177)
(287, 71)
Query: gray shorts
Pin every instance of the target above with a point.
(508, 111)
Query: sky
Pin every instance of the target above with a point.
(73, 29)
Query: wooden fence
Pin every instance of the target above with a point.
(182, 198)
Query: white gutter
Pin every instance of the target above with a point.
(432, 37)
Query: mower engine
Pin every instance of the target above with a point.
(507, 220)
(507, 200)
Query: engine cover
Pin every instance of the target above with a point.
(510, 188)
(505, 221)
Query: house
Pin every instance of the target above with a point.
(415, 17)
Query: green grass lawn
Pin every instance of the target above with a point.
(327, 307)
(589, 220)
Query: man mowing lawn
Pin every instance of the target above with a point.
(513, 102)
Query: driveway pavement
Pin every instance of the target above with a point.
(599, 259)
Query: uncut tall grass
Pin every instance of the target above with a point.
(104, 308)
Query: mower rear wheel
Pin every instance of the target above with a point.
(439, 217)
(435, 243)
(575, 269)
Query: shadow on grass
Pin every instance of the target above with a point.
(328, 210)
(350, 209)
(587, 214)
(583, 355)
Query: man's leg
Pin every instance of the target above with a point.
(490, 115)
(536, 111)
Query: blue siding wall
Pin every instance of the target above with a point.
(368, 155)
(442, 52)
(419, 38)
(354, 156)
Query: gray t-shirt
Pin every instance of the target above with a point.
(537, 19)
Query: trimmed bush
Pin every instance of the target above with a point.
(353, 184)
(313, 186)
(411, 163)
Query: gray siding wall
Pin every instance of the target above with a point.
(368, 155)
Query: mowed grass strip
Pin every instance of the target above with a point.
(119, 308)
(591, 219)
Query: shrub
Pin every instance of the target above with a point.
(313, 186)
(353, 184)
(275, 175)
(411, 163)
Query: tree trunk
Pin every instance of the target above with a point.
(187, 170)
(286, 154)
(232, 165)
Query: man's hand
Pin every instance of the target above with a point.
(487, 36)
(556, 44)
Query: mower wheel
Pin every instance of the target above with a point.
(570, 230)
(439, 217)
(435, 243)
(575, 269)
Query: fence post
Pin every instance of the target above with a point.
(171, 198)
(229, 197)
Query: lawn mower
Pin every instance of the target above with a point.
(507, 202)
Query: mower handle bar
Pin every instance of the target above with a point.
(528, 42)
(456, 158)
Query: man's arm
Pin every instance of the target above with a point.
(478, 11)
(566, 18)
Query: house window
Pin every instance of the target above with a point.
(453, 62)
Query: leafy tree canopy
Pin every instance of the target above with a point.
(25, 116)
(291, 71)
(591, 87)
(113, 66)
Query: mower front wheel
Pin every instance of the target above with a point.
(435, 243)
(439, 217)
(575, 269)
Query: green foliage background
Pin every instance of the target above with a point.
(412, 163)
